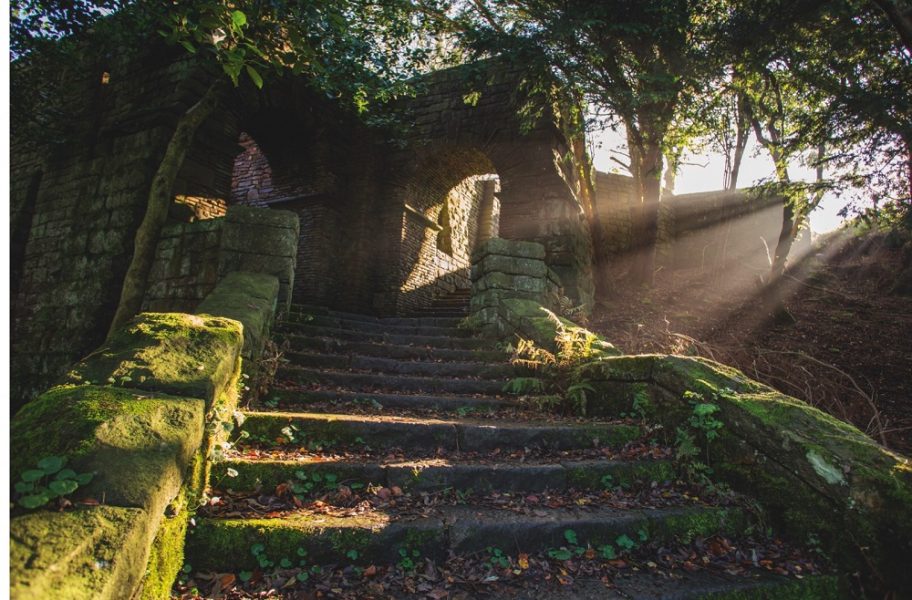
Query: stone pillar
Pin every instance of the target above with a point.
(505, 270)
(486, 224)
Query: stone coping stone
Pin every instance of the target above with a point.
(174, 353)
(90, 553)
(270, 217)
(514, 248)
(249, 298)
(137, 444)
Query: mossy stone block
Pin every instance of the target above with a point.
(248, 215)
(175, 353)
(95, 553)
(818, 475)
(249, 298)
(139, 445)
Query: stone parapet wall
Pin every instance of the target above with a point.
(191, 258)
(705, 229)
(185, 268)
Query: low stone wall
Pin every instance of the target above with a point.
(141, 414)
(185, 268)
(507, 270)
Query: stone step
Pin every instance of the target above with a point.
(300, 343)
(378, 382)
(378, 326)
(439, 402)
(681, 585)
(377, 536)
(437, 474)
(360, 336)
(429, 434)
(303, 310)
(357, 362)
(447, 322)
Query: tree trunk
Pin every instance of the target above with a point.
(159, 200)
(789, 223)
(649, 184)
(741, 138)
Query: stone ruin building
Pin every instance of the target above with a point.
(386, 225)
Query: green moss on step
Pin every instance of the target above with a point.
(689, 525)
(820, 587)
(226, 543)
(621, 474)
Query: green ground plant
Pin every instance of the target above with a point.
(48, 481)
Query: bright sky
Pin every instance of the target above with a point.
(704, 173)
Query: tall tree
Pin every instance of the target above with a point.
(639, 59)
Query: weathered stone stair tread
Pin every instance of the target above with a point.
(301, 316)
(332, 345)
(446, 402)
(452, 434)
(437, 474)
(378, 381)
(358, 362)
(702, 585)
(379, 326)
(359, 336)
(460, 529)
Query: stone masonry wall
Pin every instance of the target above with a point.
(538, 199)
(75, 226)
(505, 270)
(191, 258)
(185, 268)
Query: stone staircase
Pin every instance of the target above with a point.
(454, 304)
(387, 462)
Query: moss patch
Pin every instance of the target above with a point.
(702, 375)
(92, 553)
(249, 298)
(138, 444)
(226, 543)
(821, 587)
(174, 353)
